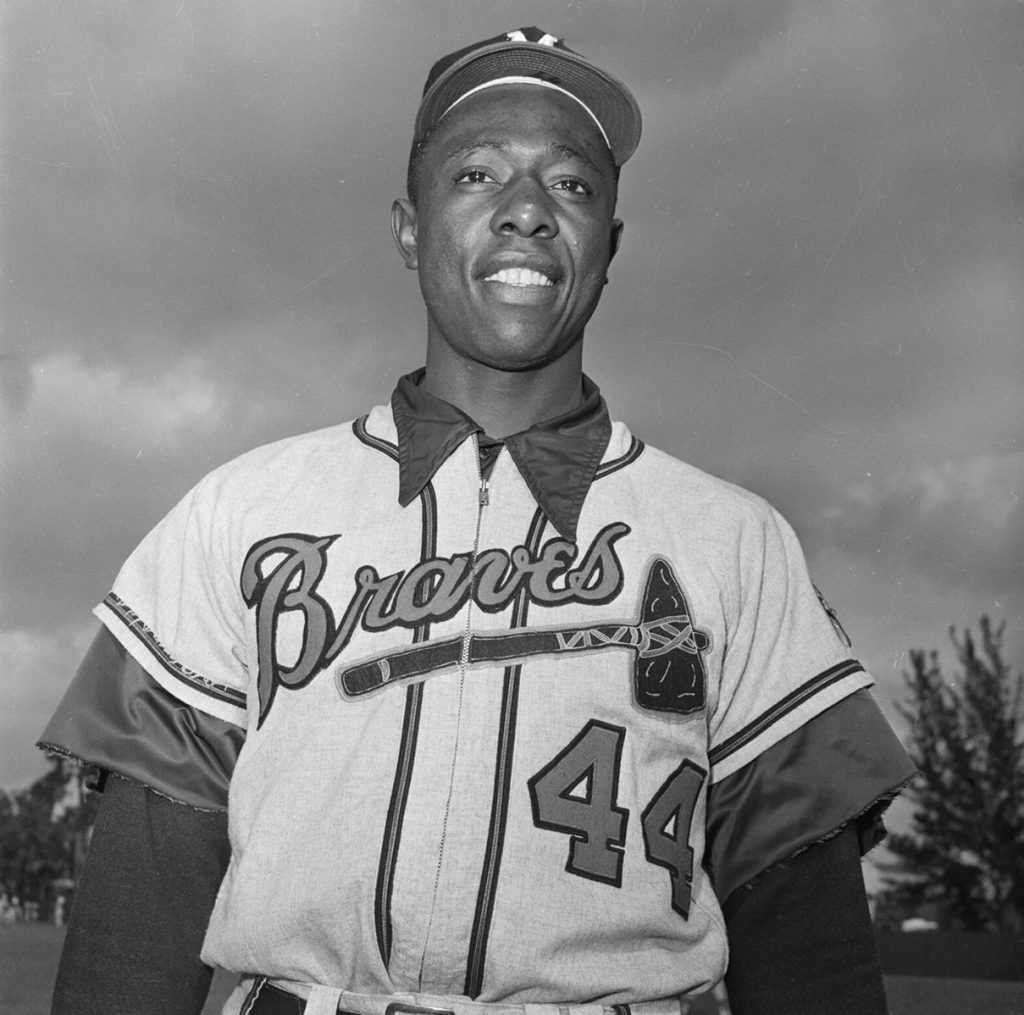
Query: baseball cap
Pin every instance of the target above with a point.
(532, 56)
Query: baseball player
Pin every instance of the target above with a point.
(478, 705)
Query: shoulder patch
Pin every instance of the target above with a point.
(833, 618)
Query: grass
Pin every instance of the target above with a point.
(919, 995)
(28, 964)
(29, 953)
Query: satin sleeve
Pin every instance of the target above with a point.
(116, 717)
(844, 766)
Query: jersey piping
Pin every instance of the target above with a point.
(635, 450)
(392, 838)
(477, 959)
(781, 708)
(377, 443)
(499, 808)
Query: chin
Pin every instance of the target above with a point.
(514, 354)
(513, 362)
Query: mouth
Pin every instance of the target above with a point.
(523, 279)
(520, 277)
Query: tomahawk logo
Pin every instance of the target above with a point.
(668, 671)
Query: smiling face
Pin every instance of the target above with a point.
(512, 230)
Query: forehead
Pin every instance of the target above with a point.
(512, 116)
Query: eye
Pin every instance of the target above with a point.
(473, 175)
(573, 185)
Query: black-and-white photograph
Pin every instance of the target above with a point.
(512, 509)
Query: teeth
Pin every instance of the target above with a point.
(519, 276)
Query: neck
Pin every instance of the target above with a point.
(505, 402)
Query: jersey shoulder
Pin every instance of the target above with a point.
(274, 466)
(697, 492)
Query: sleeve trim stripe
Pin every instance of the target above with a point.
(782, 708)
(135, 625)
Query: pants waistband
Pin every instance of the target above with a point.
(261, 996)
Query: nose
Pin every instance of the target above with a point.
(525, 210)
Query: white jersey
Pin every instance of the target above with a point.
(477, 755)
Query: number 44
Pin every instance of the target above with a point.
(576, 793)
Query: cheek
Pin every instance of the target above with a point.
(438, 261)
(592, 256)
(447, 244)
(591, 242)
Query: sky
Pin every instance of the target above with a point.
(819, 294)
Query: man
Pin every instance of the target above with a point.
(513, 709)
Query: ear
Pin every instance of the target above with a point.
(403, 229)
(616, 238)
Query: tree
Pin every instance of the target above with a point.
(43, 830)
(965, 849)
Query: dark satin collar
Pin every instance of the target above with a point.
(558, 458)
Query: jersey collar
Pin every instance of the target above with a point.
(557, 458)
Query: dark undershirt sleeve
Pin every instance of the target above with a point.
(800, 937)
(144, 900)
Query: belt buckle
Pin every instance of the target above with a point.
(401, 1008)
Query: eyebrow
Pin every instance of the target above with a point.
(504, 146)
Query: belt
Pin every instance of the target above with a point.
(262, 997)
(271, 1000)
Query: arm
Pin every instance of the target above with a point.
(137, 924)
(800, 937)
(159, 847)
(787, 832)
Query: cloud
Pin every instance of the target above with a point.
(83, 436)
(35, 667)
(159, 408)
(99, 453)
(819, 280)
(853, 151)
(960, 522)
